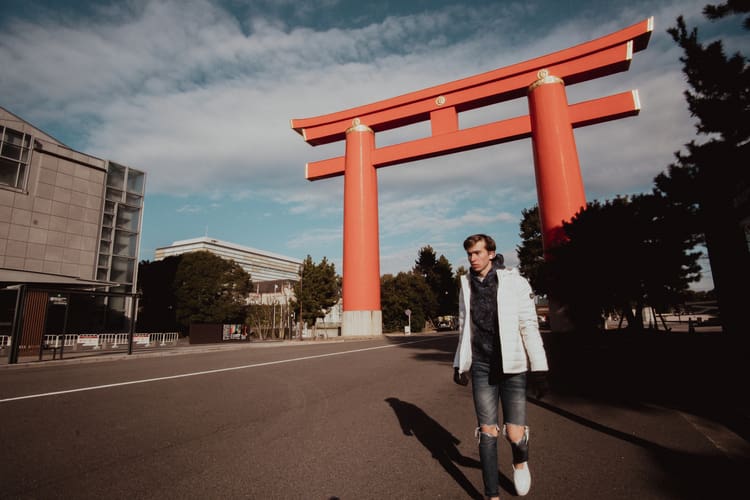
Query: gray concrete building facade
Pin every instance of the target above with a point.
(65, 213)
(67, 219)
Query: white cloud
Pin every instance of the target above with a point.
(315, 237)
(179, 89)
(201, 100)
(189, 209)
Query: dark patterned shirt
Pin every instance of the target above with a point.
(485, 335)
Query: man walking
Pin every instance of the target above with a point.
(499, 342)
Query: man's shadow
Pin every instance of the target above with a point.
(441, 443)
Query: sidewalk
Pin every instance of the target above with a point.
(183, 346)
(702, 375)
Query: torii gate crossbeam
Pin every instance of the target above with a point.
(550, 124)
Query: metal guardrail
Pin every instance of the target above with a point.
(98, 341)
(111, 340)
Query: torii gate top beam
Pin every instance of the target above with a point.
(440, 104)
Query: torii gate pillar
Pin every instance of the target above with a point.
(559, 185)
(362, 315)
(558, 175)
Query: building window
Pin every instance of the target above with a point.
(121, 225)
(15, 150)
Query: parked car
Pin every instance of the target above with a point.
(446, 323)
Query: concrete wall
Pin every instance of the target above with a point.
(52, 224)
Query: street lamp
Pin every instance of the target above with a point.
(275, 299)
(299, 300)
(287, 317)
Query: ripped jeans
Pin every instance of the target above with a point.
(510, 392)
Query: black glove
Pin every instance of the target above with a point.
(460, 378)
(538, 384)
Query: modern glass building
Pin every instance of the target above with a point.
(117, 256)
(69, 221)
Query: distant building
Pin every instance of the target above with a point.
(260, 265)
(273, 275)
(69, 222)
(272, 292)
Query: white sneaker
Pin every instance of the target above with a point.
(522, 479)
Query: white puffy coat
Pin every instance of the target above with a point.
(520, 342)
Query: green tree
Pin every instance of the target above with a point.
(712, 177)
(728, 8)
(530, 252)
(426, 262)
(210, 289)
(621, 256)
(457, 278)
(446, 286)
(259, 320)
(425, 266)
(158, 303)
(401, 292)
(317, 289)
(438, 274)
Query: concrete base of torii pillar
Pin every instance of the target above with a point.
(361, 323)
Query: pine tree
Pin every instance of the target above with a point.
(210, 289)
(712, 178)
(317, 290)
(530, 252)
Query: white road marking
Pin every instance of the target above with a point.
(726, 441)
(205, 372)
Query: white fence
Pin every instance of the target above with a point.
(102, 340)
(54, 341)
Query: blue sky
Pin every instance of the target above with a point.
(199, 94)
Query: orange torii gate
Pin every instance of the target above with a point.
(550, 124)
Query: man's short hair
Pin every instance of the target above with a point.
(472, 240)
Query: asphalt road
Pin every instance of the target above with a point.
(365, 419)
